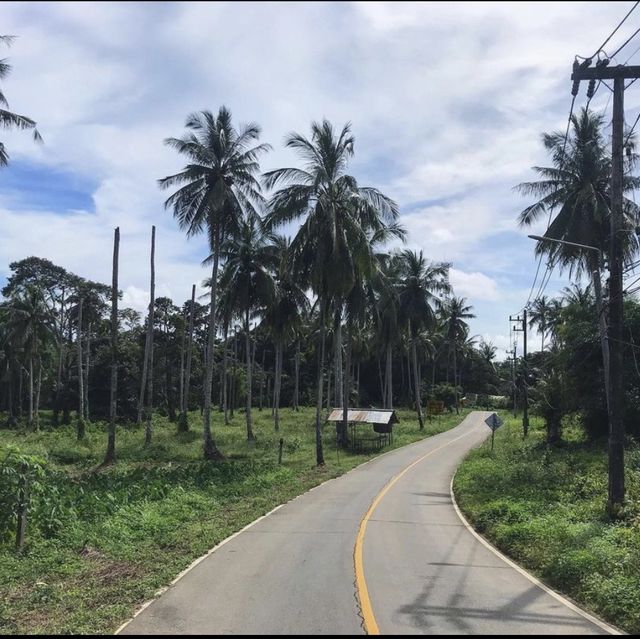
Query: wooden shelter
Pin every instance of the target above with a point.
(381, 419)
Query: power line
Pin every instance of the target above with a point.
(631, 37)
(615, 30)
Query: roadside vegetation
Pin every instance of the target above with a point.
(543, 505)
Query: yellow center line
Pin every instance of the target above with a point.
(369, 619)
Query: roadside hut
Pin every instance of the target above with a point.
(358, 440)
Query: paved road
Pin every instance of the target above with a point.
(293, 572)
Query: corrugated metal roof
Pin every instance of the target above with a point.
(365, 415)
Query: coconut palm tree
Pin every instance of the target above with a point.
(215, 191)
(457, 311)
(420, 288)
(246, 278)
(338, 216)
(8, 119)
(539, 316)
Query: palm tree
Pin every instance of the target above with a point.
(8, 119)
(456, 312)
(487, 351)
(338, 215)
(578, 186)
(539, 316)
(30, 324)
(422, 283)
(247, 280)
(216, 189)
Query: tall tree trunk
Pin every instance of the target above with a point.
(345, 388)
(110, 456)
(232, 384)
(383, 388)
(60, 340)
(87, 363)
(225, 375)
(337, 364)
(329, 386)
(31, 391)
(20, 394)
(171, 402)
(388, 403)
(209, 448)
(250, 437)
(261, 380)
(602, 327)
(80, 427)
(414, 352)
(183, 425)
(183, 340)
(296, 388)
(277, 382)
(148, 431)
(455, 378)
(38, 387)
(319, 452)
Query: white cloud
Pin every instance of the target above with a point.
(475, 286)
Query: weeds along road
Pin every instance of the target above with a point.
(417, 568)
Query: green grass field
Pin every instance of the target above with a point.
(105, 540)
(545, 507)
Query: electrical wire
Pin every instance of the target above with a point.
(631, 37)
(604, 44)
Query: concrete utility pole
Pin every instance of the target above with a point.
(616, 316)
(522, 321)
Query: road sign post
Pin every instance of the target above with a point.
(493, 422)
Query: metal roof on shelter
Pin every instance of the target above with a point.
(365, 415)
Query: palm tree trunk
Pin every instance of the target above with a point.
(148, 431)
(250, 437)
(383, 388)
(232, 383)
(209, 448)
(319, 452)
(225, 375)
(60, 339)
(181, 379)
(277, 383)
(20, 387)
(338, 356)
(110, 456)
(346, 389)
(86, 372)
(296, 389)
(38, 387)
(31, 391)
(328, 387)
(414, 351)
(455, 378)
(261, 400)
(184, 422)
(388, 402)
(80, 429)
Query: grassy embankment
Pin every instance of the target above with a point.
(104, 540)
(545, 508)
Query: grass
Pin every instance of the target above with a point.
(102, 541)
(545, 507)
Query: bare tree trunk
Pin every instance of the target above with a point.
(329, 386)
(247, 337)
(383, 388)
(87, 363)
(183, 422)
(414, 352)
(20, 386)
(232, 384)
(110, 457)
(225, 375)
(337, 364)
(60, 339)
(345, 389)
(276, 386)
(80, 427)
(183, 339)
(455, 378)
(296, 388)
(148, 431)
(262, 379)
(319, 451)
(31, 391)
(38, 387)
(210, 449)
(388, 403)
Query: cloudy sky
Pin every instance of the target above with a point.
(447, 103)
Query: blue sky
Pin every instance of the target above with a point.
(447, 103)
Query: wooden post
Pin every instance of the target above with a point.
(280, 451)
(23, 506)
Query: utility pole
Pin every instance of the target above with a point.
(513, 376)
(522, 328)
(618, 74)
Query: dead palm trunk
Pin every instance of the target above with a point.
(145, 361)
(261, 381)
(250, 437)
(60, 339)
(225, 375)
(232, 383)
(210, 449)
(148, 431)
(80, 427)
(110, 456)
(346, 388)
(86, 372)
(277, 382)
(455, 377)
(184, 409)
(31, 391)
(337, 364)
(388, 403)
(414, 352)
(319, 452)
(183, 340)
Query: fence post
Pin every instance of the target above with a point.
(23, 498)
(280, 451)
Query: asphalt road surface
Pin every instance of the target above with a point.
(425, 573)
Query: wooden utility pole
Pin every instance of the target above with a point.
(522, 328)
(616, 310)
(148, 431)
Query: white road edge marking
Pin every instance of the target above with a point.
(194, 563)
(601, 624)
